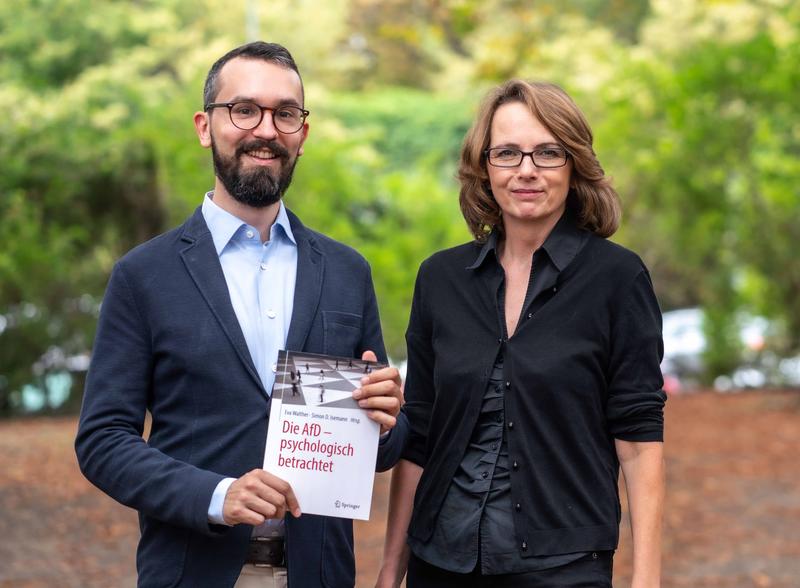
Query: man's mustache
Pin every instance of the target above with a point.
(277, 149)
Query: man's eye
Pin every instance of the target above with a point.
(244, 110)
(286, 113)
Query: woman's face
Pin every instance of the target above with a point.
(528, 196)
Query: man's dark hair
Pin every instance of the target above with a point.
(271, 52)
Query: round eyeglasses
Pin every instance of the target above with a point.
(543, 157)
(248, 115)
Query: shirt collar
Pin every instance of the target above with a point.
(561, 245)
(224, 226)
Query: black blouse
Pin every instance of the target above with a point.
(581, 369)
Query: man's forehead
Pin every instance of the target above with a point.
(259, 79)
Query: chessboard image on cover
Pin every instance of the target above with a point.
(319, 380)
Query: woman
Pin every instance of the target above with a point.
(533, 371)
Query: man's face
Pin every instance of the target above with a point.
(255, 166)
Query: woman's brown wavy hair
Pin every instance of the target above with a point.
(591, 197)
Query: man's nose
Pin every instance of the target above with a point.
(266, 128)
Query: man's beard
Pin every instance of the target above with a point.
(258, 187)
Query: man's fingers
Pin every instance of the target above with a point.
(388, 404)
(287, 496)
(385, 420)
(259, 495)
(369, 356)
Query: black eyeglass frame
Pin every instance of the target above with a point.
(230, 105)
(522, 153)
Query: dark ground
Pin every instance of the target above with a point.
(732, 513)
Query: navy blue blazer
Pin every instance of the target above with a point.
(168, 342)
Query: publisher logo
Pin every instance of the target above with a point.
(346, 505)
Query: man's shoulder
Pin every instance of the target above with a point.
(332, 249)
(155, 250)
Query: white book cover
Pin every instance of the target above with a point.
(318, 438)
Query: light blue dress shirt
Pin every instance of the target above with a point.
(261, 280)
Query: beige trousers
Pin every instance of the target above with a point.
(258, 577)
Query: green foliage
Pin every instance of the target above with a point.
(694, 107)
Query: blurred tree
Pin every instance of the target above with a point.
(79, 173)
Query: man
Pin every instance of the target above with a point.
(190, 329)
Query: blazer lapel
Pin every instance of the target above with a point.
(202, 263)
(308, 286)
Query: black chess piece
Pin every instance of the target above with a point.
(321, 374)
(294, 388)
(306, 368)
(366, 368)
(293, 375)
(337, 364)
(299, 377)
(350, 363)
(322, 393)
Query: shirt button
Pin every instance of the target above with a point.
(524, 545)
(555, 289)
(530, 315)
(508, 384)
(263, 266)
(515, 466)
(249, 234)
(518, 507)
(494, 446)
(272, 314)
(510, 424)
(485, 475)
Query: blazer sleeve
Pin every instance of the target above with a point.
(111, 451)
(391, 446)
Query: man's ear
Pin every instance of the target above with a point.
(303, 140)
(202, 125)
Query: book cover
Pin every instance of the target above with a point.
(318, 439)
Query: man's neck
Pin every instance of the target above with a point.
(260, 218)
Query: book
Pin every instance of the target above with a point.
(318, 438)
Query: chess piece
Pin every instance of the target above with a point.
(294, 388)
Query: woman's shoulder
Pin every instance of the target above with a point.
(606, 254)
(458, 257)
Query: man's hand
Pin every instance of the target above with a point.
(380, 394)
(258, 496)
